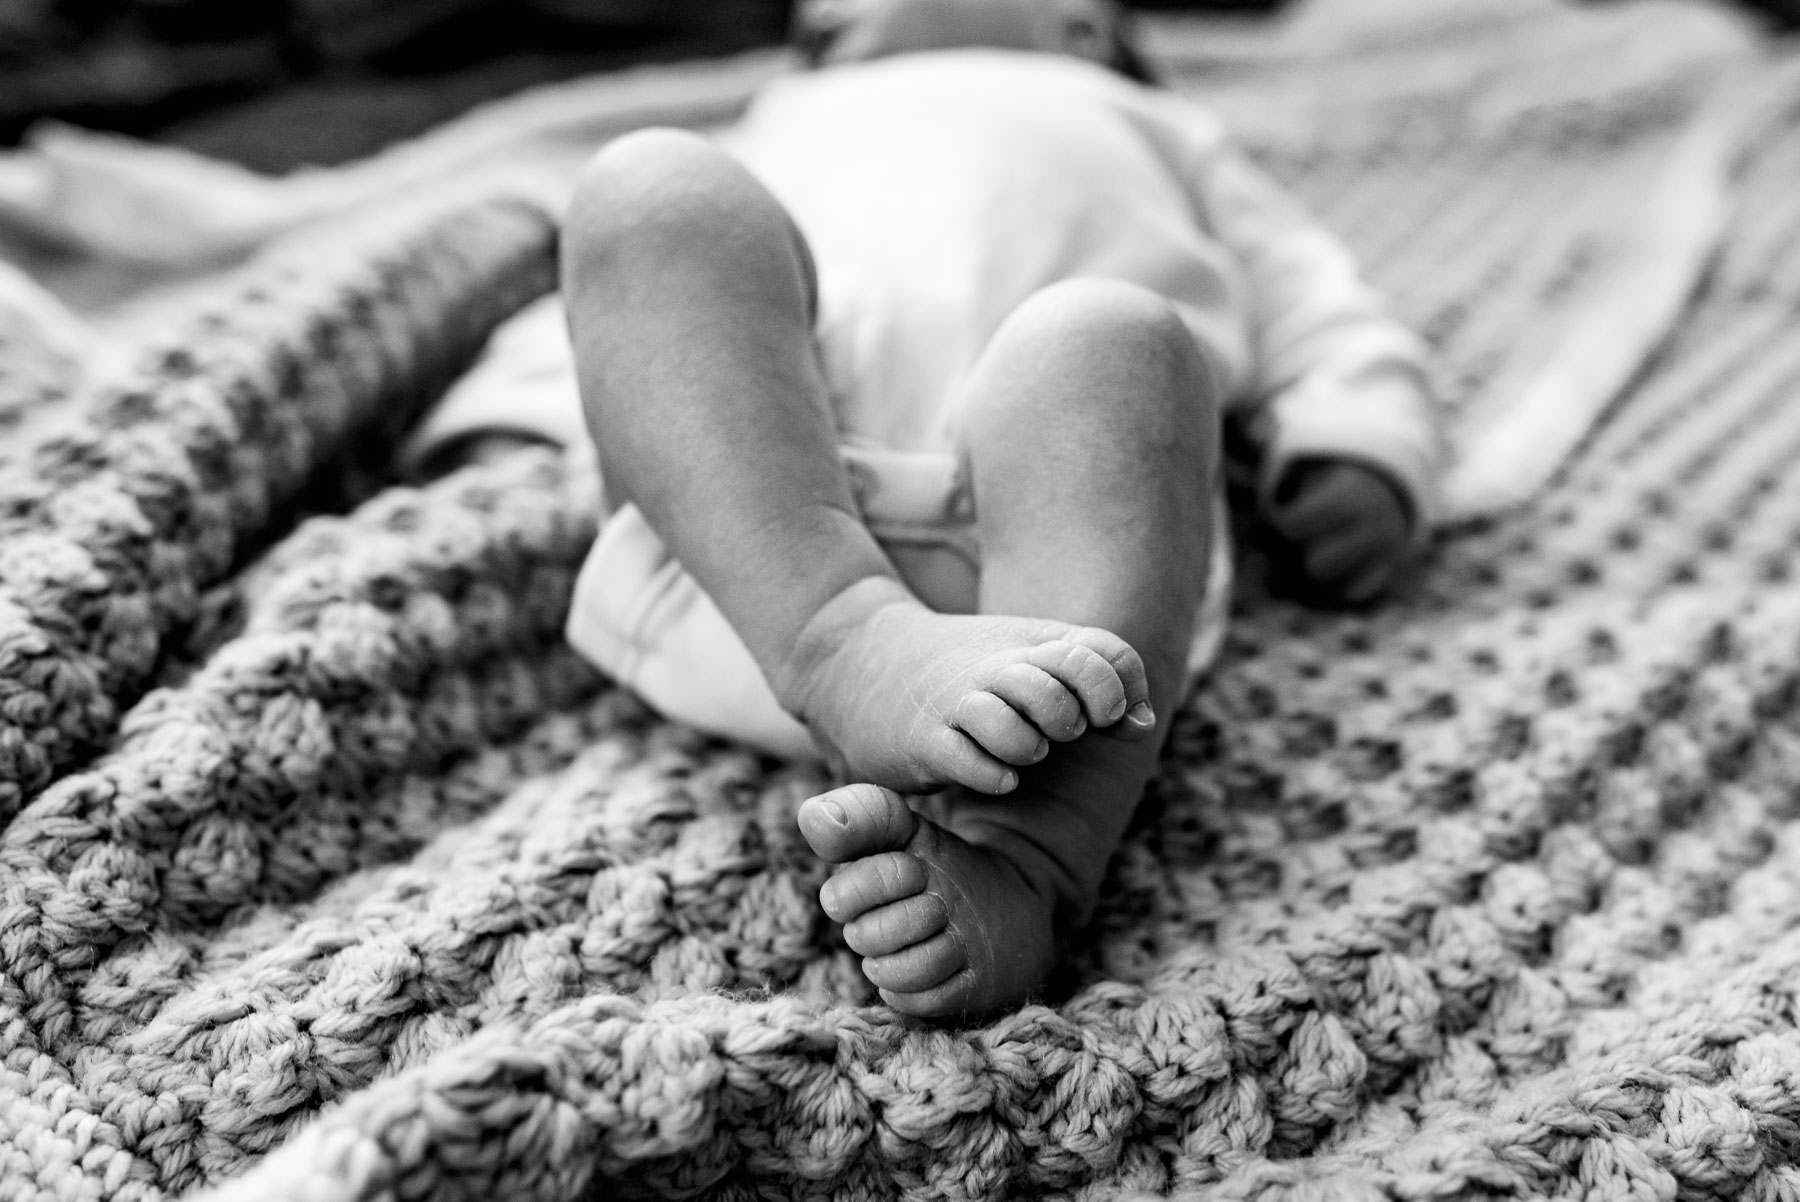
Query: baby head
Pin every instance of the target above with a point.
(841, 31)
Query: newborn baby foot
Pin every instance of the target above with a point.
(905, 697)
(946, 928)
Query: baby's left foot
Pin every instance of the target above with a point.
(946, 928)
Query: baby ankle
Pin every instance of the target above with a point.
(796, 682)
(1069, 894)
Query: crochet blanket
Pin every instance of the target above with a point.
(329, 872)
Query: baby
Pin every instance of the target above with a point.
(907, 395)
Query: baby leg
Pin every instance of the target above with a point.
(1092, 434)
(690, 296)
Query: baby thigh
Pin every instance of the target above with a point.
(1091, 424)
(691, 297)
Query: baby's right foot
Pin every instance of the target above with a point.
(914, 700)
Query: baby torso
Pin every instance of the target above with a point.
(938, 191)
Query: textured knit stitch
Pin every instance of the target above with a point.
(378, 892)
(112, 520)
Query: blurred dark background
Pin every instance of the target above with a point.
(338, 79)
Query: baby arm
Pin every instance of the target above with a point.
(1349, 443)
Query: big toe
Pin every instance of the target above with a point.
(854, 821)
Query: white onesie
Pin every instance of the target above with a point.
(937, 191)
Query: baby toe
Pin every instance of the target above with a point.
(1085, 673)
(917, 967)
(855, 821)
(959, 997)
(1134, 680)
(958, 759)
(894, 927)
(1042, 699)
(1000, 729)
(870, 884)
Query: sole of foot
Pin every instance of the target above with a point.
(947, 928)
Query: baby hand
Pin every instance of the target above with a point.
(1346, 525)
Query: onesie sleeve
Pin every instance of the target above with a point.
(1332, 375)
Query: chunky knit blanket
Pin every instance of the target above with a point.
(329, 872)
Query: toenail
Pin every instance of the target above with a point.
(1142, 714)
(1042, 750)
(1112, 715)
(1009, 781)
(834, 813)
(1080, 727)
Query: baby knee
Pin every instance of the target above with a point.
(1133, 339)
(1101, 314)
(656, 192)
